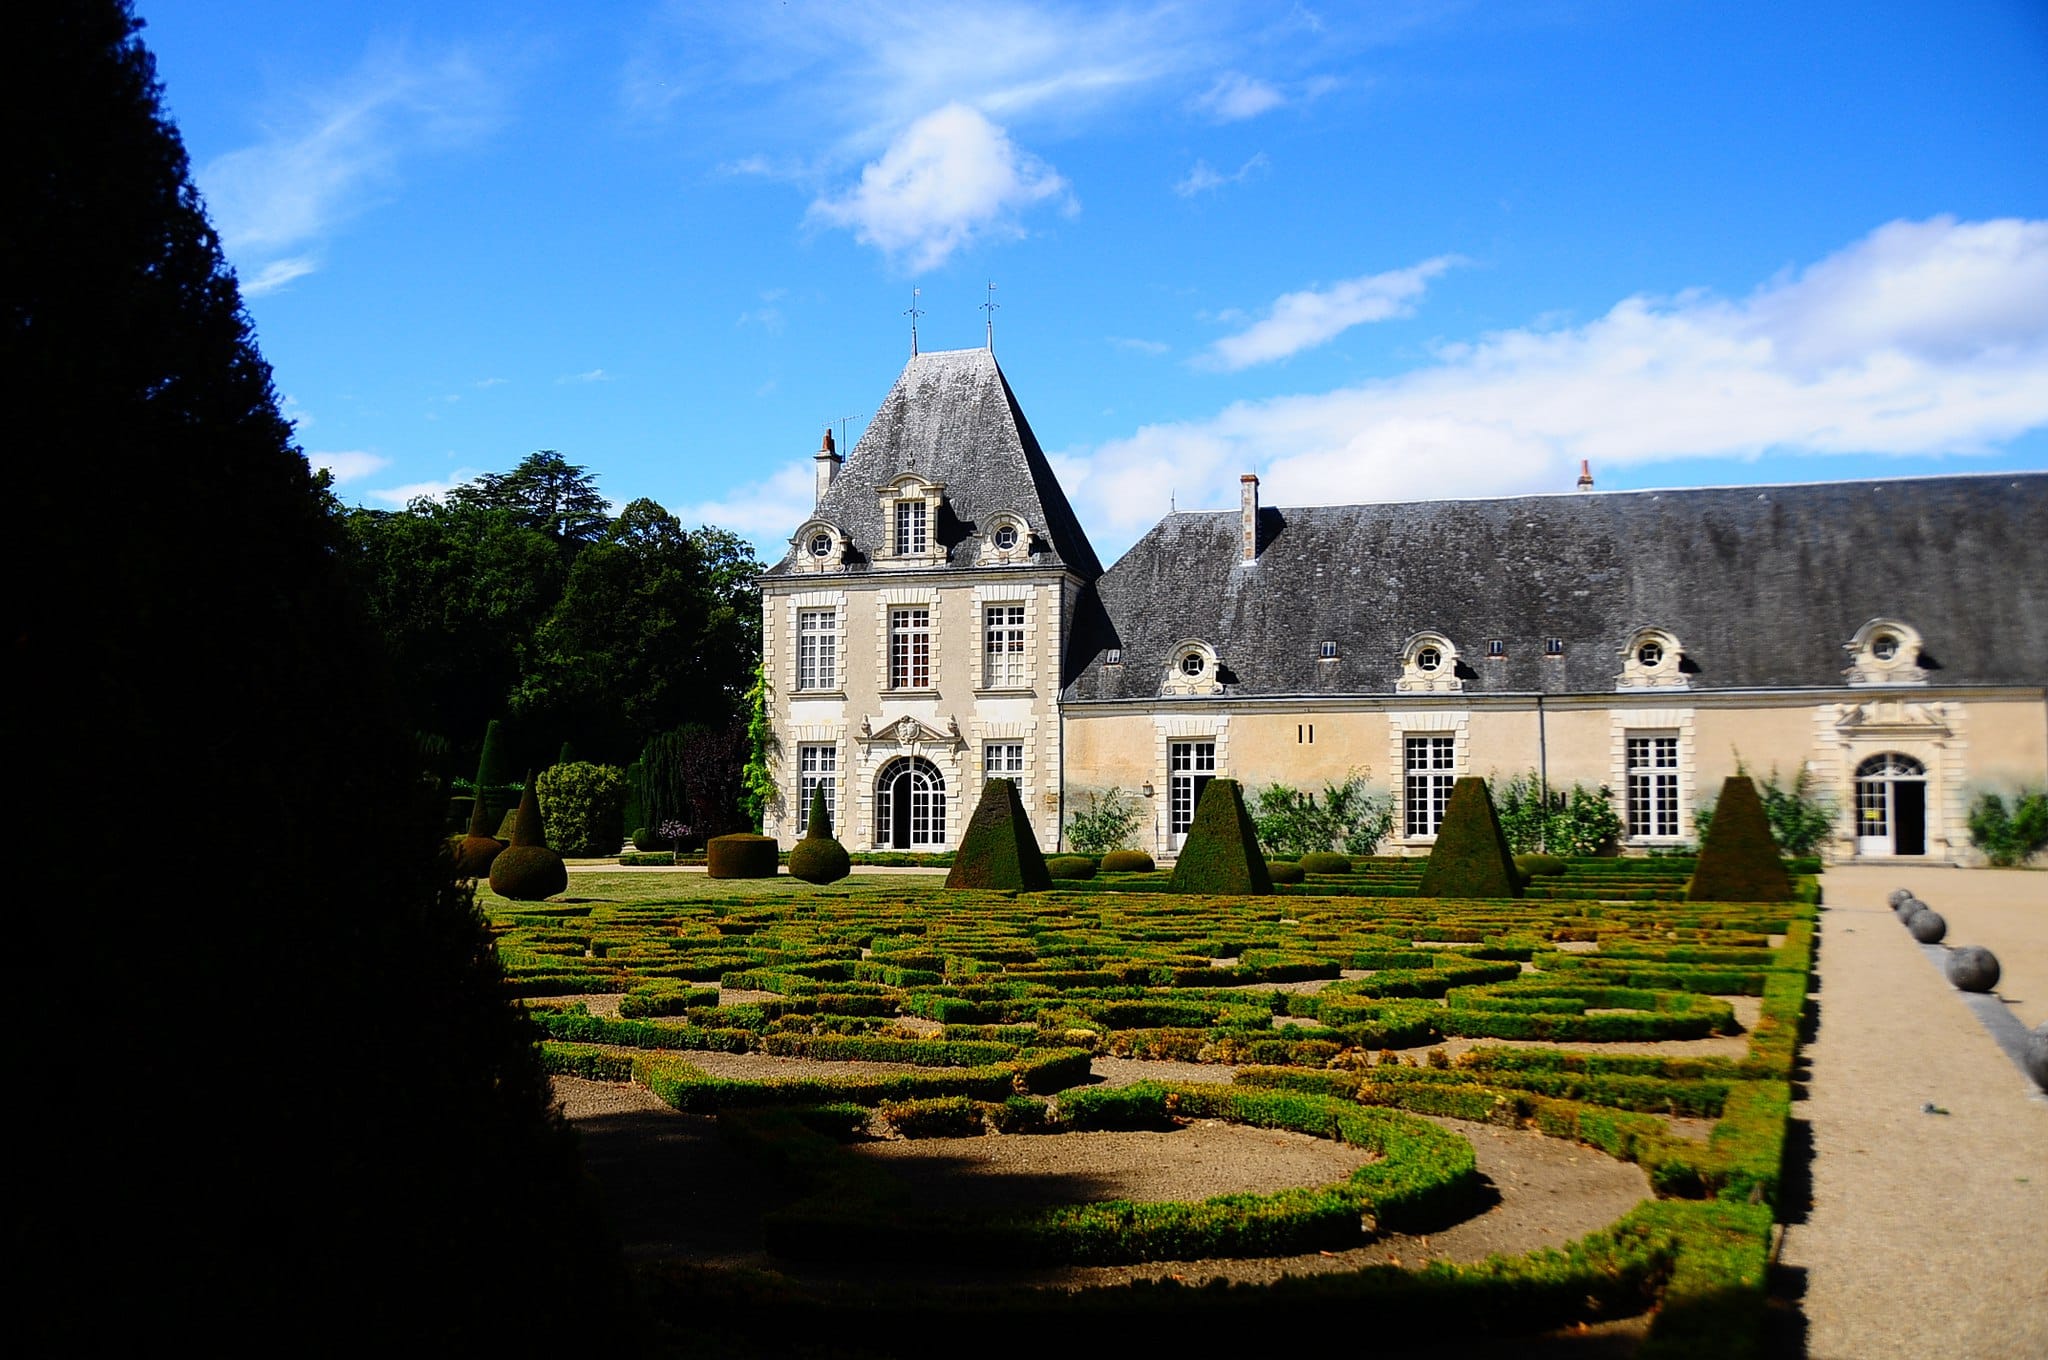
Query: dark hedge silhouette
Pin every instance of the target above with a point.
(1471, 857)
(365, 1158)
(473, 857)
(529, 869)
(1739, 860)
(998, 849)
(741, 855)
(818, 858)
(1221, 853)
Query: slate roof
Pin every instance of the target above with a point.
(952, 418)
(1761, 586)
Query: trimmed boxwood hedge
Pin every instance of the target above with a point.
(1739, 860)
(741, 855)
(998, 849)
(1221, 852)
(1471, 856)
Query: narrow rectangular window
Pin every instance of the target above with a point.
(817, 649)
(1496, 647)
(1190, 767)
(1553, 646)
(818, 768)
(1431, 765)
(1328, 652)
(910, 529)
(1003, 635)
(910, 648)
(1002, 760)
(1305, 733)
(1653, 785)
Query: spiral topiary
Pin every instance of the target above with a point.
(741, 855)
(1127, 862)
(528, 870)
(818, 858)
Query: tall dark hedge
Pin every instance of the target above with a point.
(998, 849)
(355, 1151)
(1471, 857)
(1739, 860)
(1221, 853)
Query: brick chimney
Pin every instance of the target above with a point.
(1585, 474)
(828, 461)
(1248, 515)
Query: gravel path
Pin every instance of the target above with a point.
(1926, 1231)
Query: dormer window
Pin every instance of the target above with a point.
(1652, 659)
(821, 544)
(1429, 665)
(819, 547)
(1114, 657)
(910, 521)
(1429, 659)
(1005, 538)
(1193, 669)
(1497, 648)
(913, 528)
(1649, 654)
(1193, 664)
(1328, 652)
(1885, 652)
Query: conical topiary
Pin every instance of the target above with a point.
(1739, 860)
(479, 848)
(1471, 857)
(818, 858)
(527, 870)
(1221, 853)
(998, 849)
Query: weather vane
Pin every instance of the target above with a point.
(913, 313)
(990, 307)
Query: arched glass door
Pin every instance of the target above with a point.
(1891, 806)
(910, 805)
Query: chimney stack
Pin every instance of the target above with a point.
(828, 461)
(1248, 515)
(1585, 474)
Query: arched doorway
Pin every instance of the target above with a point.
(910, 805)
(1891, 806)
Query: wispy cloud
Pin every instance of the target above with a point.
(951, 178)
(1299, 321)
(427, 490)
(349, 465)
(1202, 179)
(1236, 96)
(329, 153)
(595, 375)
(1922, 337)
(490, 382)
(1137, 346)
(765, 511)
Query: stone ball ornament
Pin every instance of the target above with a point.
(2037, 1056)
(1973, 968)
(1898, 895)
(1927, 926)
(1909, 907)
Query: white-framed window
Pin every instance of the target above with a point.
(818, 768)
(1431, 764)
(910, 648)
(1653, 785)
(1002, 628)
(913, 528)
(817, 648)
(1002, 760)
(910, 804)
(1190, 767)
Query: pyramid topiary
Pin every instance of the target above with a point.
(1739, 859)
(527, 870)
(1471, 856)
(999, 849)
(818, 858)
(474, 855)
(1221, 853)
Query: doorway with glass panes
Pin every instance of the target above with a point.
(1190, 767)
(1891, 806)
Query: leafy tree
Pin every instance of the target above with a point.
(362, 1180)
(2009, 838)
(1348, 817)
(1108, 822)
(546, 492)
(694, 777)
(1580, 821)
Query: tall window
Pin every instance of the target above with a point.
(818, 768)
(817, 648)
(1430, 765)
(1190, 767)
(1003, 627)
(910, 648)
(1653, 786)
(911, 529)
(910, 804)
(1002, 760)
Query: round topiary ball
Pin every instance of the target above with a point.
(474, 856)
(1285, 871)
(1973, 968)
(741, 855)
(1927, 926)
(1325, 862)
(2037, 1056)
(1538, 865)
(819, 859)
(1127, 862)
(528, 873)
(1070, 866)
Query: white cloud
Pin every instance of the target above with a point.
(595, 375)
(1920, 338)
(1299, 321)
(335, 151)
(1235, 97)
(349, 465)
(765, 511)
(430, 490)
(951, 178)
(1202, 179)
(490, 382)
(1137, 346)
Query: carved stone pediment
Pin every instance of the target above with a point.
(1891, 718)
(909, 731)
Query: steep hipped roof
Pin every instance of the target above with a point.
(1761, 586)
(952, 418)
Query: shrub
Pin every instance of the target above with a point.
(1284, 871)
(1325, 862)
(1109, 821)
(475, 851)
(937, 1117)
(584, 808)
(1470, 858)
(1799, 818)
(1581, 821)
(2009, 839)
(1539, 866)
(998, 849)
(740, 855)
(1292, 822)
(528, 870)
(1071, 866)
(1738, 855)
(1221, 854)
(1127, 862)
(818, 858)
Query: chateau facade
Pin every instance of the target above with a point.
(941, 618)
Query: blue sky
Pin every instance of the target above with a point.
(1371, 251)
